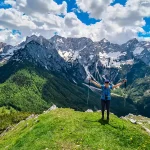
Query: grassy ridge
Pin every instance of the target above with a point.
(67, 129)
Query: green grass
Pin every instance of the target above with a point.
(68, 129)
(9, 116)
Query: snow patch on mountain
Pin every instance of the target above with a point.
(10, 52)
(147, 44)
(103, 55)
(75, 55)
(60, 40)
(110, 60)
(65, 54)
(91, 57)
(1, 50)
(87, 71)
(138, 51)
(7, 53)
(69, 55)
(116, 55)
(129, 62)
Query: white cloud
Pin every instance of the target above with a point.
(94, 7)
(128, 18)
(144, 38)
(11, 18)
(38, 6)
(35, 23)
(141, 6)
(41, 6)
(8, 37)
(118, 23)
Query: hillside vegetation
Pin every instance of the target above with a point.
(67, 129)
(9, 116)
(139, 92)
(32, 89)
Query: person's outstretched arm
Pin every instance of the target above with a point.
(95, 83)
(119, 84)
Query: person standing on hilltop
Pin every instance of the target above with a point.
(106, 94)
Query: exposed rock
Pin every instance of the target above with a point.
(130, 115)
(140, 123)
(8, 128)
(30, 117)
(4, 132)
(37, 121)
(53, 107)
(36, 116)
(140, 120)
(133, 121)
(98, 110)
(89, 110)
(146, 129)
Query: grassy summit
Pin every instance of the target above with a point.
(69, 130)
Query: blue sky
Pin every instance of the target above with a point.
(84, 17)
(146, 28)
(3, 5)
(87, 19)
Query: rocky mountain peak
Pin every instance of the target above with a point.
(134, 40)
(130, 44)
(56, 37)
(2, 45)
(39, 39)
(104, 40)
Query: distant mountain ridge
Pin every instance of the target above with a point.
(81, 56)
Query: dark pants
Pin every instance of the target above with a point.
(105, 104)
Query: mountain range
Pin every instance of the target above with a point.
(73, 61)
(80, 57)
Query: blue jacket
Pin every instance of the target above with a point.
(106, 92)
